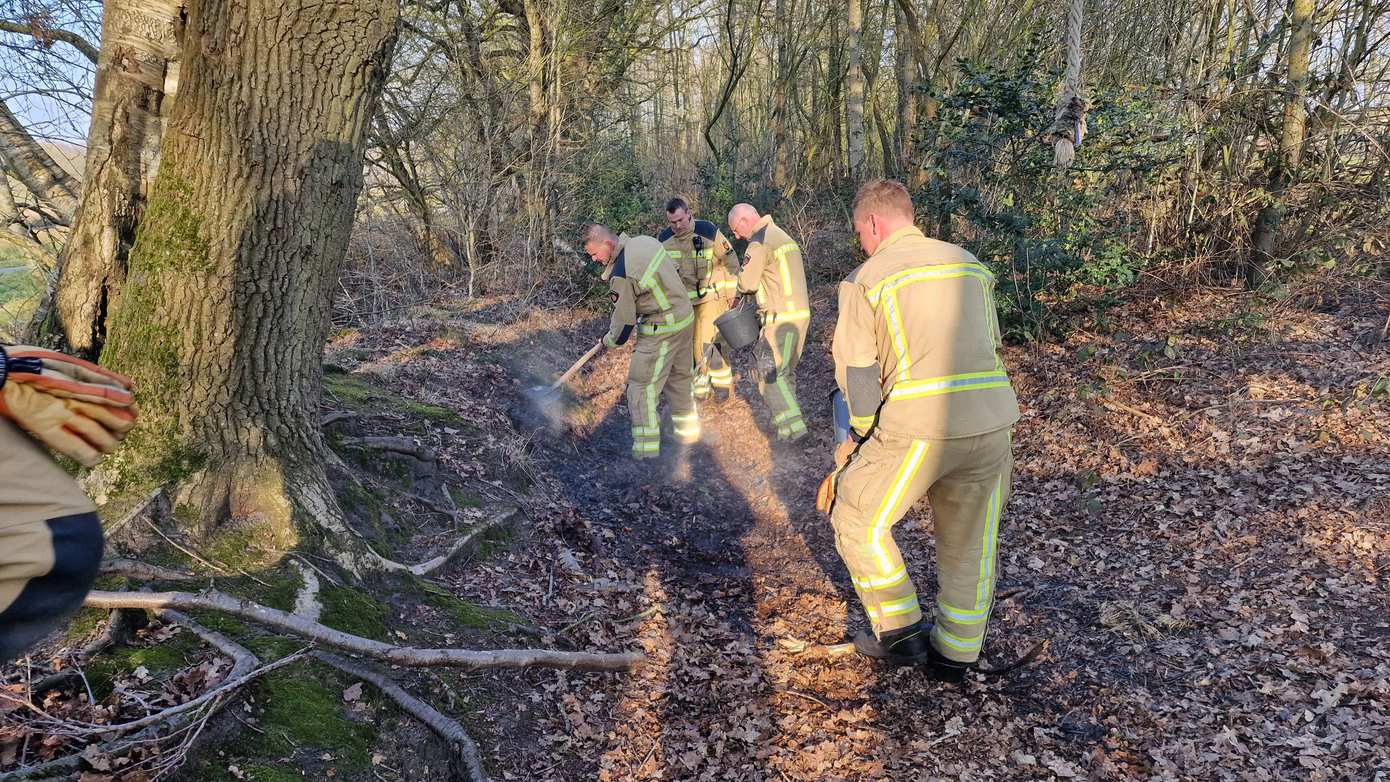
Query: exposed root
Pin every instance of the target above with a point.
(134, 569)
(459, 546)
(465, 750)
(396, 655)
(306, 603)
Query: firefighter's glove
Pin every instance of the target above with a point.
(77, 429)
(764, 360)
(843, 451)
(825, 495)
(64, 376)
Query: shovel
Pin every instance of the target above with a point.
(546, 396)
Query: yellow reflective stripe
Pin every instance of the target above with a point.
(961, 616)
(906, 472)
(892, 579)
(924, 273)
(652, 266)
(785, 316)
(984, 587)
(861, 421)
(895, 329)
(949, 384)
(646, 447)
(956, 642)
(781, 255)
(898, 607)
(668, 327)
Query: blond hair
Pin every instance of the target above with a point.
(885, 197)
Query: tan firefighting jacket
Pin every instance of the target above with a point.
(706, 261)
(917, 343)
(773, 269)
(647, 291)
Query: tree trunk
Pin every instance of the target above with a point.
(1290, 144)
(54, 189)
(137, 78)
(904, 60)
(226, 310)
(854, 90)
(781, 81)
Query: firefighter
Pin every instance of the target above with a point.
(50, 536)
(709, 268)
(917, 356)
(649, 298)
(773, 272)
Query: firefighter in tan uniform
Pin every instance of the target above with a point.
(773, 272)
(709, 268)
(649, 298)
(50, 536)
(916, 352)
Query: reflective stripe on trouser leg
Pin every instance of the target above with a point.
(872, 493)
(685, 417)
(702, 335)
(968, 503)
(646, 375)
(786, 341)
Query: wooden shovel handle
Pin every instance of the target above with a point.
(575, 367)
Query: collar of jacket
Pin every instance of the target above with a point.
(898, 235)
(762, 223)
(617, 253)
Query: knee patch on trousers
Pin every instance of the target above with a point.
(46, 601)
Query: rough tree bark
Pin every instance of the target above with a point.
(1290, 143)
(225, 313)
(903, 68)
(854, 90)
(137, 78)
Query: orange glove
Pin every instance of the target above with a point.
(825, 495)
(77, 429)
(64, 376)
(843, 451)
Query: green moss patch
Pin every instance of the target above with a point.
(353, 611)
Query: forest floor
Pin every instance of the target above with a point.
(1199, 530)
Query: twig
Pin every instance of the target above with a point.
(136, 569)
(397, 655)
(243, 661)
(219, 568)
(136, 511)
(805, 695)
(449, 729)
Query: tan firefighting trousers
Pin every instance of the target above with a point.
(50, 543)
(711, 367)
(783, 340)
(967, 482)
(661, 363)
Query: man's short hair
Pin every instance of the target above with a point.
(677, 203)
(883, 196)
(597, 232)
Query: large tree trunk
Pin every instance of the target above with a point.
(226, 309)
(904, 62)
(854, 90)
(137, 78)
(781, 82)
(1290, 143)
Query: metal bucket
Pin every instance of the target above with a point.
(739, 326)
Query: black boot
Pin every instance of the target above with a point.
(905, 646)
(943, 669)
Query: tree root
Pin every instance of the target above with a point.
(459, 546)
(306, 602)
(396, 655)
(134, 569)
(465, 750)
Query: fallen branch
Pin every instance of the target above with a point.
(243, 661)
(396, 655)
(465, 750)
(405, 446)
